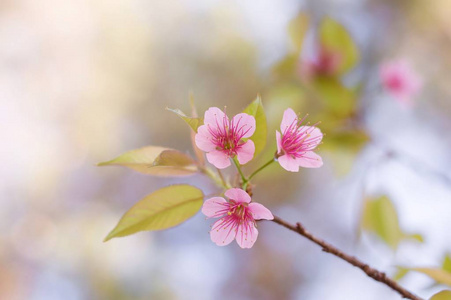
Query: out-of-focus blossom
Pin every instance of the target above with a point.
(295, 144)
(237, 218)
(223, 139)
(323, 63)
(400, 80)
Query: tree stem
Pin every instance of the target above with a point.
(326, 247)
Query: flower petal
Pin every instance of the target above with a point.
(238, 195)
(289, 117)
(223, 232)
(314, 135)
(214, 117)
(279, 141)
(218, 159)
(288, 163)
(247, 235)
(244, 124)
(310, 160)
(260, 212)
(246, 152)
(215, 207)
(203, 139)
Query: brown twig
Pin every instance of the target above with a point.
(371, 272)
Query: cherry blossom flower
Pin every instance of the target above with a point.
(400, 81)
(323, 63)
(237, 218)
(295, 144)
(223, 139)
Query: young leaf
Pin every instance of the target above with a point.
(350, 140)
(401, 273)
(439, 275)
(339, 99)
(442, 295)
(447, 263)
(259, 137)
(162, 209)
(199, 153)
(380, 217)
(193, 122)
(297, 29)
(334, 38)
(286, 68)
(157, 161)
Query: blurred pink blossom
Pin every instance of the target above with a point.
(324, 63)
(222, 138)
(237, 218)
(295, 144)
(400, 80)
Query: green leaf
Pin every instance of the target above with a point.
(287, 66)
(401, 273)
(157, 161)
(334, 38)
(339, 100)
(415, 236)
(162, 209)
(256, 110)
(439, 275)
(447, 263)
(351, 140)
(194, 123)
(381, 218)
(443, 295)
(297, 29)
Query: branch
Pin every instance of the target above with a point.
(371, 272)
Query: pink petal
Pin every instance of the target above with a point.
(218, 159)
(215, 207)
(244, 122)
(223, 234)
(260, 212)
(315, 135)
(246, 152)
(279, 141)
(203, 139)
(310, 160)
(288, 163)
(238, 195)
(289, 117)
(247, 235)
(214, 117)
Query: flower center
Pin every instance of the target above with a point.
(395, 82)
(227, 136)
(238, 210)
(297, 139)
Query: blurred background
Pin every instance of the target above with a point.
(84, 81)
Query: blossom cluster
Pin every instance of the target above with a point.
(225, 139)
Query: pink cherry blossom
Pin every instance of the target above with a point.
(400, 81)
(222, 138)
(295, 144)
(237, 218)
(323, 63)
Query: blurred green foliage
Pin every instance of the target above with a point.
(442, 295)
(318, 88)
(380, 217)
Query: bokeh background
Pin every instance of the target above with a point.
(84, 81)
